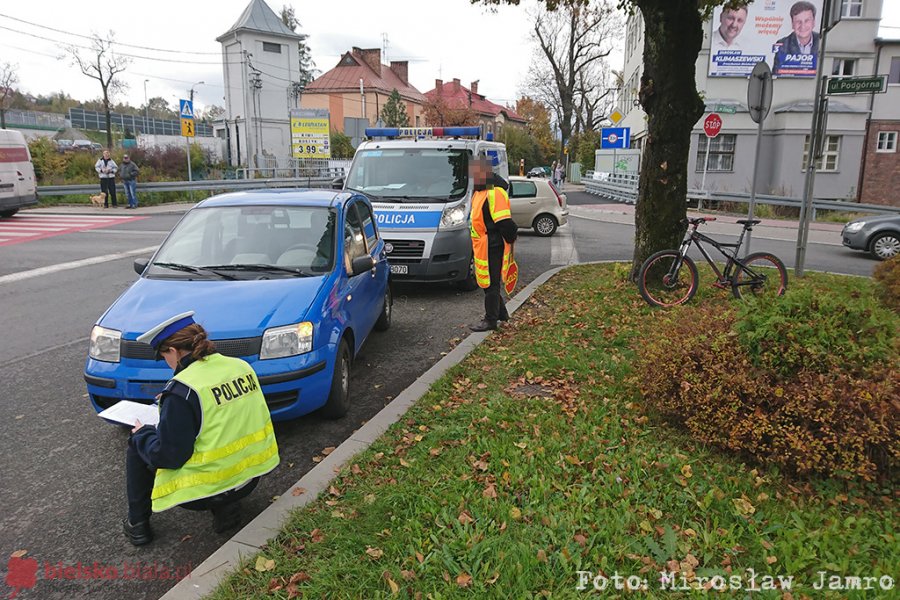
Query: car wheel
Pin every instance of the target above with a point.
(544, 225)
(885, 246)
(8, 213)
(339, 397)
(469, 284)
(384, 319)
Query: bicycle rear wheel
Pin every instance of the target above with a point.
(667, 279)
(767, 276)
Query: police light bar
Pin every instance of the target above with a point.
(415, 132)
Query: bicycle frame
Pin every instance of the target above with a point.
(725, 275)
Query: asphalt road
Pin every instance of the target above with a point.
(62, 480)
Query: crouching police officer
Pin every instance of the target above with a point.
(214, 439)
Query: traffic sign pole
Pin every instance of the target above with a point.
(815, 140)
(712, 126)
(759, 101)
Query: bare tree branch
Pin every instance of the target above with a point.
(102, 64)
(8, 78)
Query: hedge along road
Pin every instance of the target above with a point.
(62, 476)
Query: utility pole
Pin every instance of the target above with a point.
(816, 136)
(255, 86)
(146, 107)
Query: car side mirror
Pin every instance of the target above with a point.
(337, 183)
(361, 264)
(140, 265)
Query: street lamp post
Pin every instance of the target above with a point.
(192, 91)
(146, 106)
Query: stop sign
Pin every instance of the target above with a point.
(712, 125)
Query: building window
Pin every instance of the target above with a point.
(830, 156)
(844, 66)
(270, 47)
(721, 153)
(851, 8)
(417, 120)
(887, 141)
(894, 77)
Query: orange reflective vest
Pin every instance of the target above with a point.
(498, 204)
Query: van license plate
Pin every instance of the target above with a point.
(399, 269)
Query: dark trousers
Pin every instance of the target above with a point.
(139, 485)
(494, 306)
(108, 185)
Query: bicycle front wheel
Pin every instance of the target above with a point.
(763, 274)
(668, 279)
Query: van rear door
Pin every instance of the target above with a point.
(17, 182)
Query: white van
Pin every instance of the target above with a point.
(418, 181)
(17, 183)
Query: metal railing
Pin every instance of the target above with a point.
(624, 188)
(224, 185)
(272, 167)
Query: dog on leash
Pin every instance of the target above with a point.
(99, 200)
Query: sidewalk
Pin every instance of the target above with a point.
(771, 229)
(87, 209)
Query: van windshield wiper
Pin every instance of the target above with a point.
(192, 269)
(263, 267)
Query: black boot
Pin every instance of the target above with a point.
(504, 314)
(139, 533)
(485, 325)
(226, 516)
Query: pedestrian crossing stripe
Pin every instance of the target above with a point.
(29, 227)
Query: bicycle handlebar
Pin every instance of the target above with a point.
(697, 220)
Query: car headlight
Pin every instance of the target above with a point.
(289, 340)
(454, 216)
(105, 344)
(855, 226)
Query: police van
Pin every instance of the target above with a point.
(17, 182)
(418, 181)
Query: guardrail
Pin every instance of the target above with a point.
(225, 185)
(623, 188)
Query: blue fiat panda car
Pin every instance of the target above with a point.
(292, 281)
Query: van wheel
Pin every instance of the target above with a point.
(469, 284)
(384, 319)
(8, 213)
(544, 225)
(339, 397)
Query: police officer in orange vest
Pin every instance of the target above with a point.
(493, 233)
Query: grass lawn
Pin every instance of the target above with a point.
(533, 460)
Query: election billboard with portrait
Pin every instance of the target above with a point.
(784, 33)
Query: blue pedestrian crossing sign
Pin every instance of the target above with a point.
(615, 138)
(187, 109)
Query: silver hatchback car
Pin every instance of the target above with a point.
(880, 236)
(537, 204)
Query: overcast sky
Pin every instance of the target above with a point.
(442, 39)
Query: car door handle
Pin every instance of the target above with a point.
(533, 202)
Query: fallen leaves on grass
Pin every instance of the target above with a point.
(463, 580)
(375, 553)
(264, 564)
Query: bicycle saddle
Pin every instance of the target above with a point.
(750, 222)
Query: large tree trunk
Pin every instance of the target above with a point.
(668, 94)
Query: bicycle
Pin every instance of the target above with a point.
(662, 281)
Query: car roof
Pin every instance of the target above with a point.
(291, 196)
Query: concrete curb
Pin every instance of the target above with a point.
(249, 540)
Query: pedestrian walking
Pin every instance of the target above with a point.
(560, 175)
(553, 172)
(214, 439)
(106, 168)
(493, 233)
(129, 173)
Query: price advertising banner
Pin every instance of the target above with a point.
(310, 133)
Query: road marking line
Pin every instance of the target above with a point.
(125, 231)
(75, 264)
(76, 216)
(562, 247)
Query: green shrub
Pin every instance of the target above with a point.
(837, 422)
(887, 274)
(844, 329)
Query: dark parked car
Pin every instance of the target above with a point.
(879, 236)
(537, 172)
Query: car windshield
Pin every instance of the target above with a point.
(411, 174)
(248, 242)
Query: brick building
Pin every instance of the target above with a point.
(491, 116)
(359, 86)
(879, 180)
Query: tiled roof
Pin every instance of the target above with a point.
(457, 95)
(259, 17)
(352, 67)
